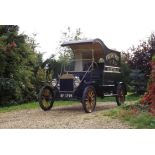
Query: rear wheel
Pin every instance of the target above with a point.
(120, 98)
(89, 99)
(46, 98)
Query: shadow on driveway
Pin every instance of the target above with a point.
(78, 108)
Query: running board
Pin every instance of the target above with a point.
(110, 95)
(108, 85)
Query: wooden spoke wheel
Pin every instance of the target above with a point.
(46, 98)
(89, 99)
(120, 98)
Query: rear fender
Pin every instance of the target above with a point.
(124, 86)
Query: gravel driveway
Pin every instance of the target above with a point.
(70, 117)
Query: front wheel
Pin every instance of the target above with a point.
(89, 99)
(46, 98)
(120, 98)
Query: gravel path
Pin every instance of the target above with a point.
(69, 117)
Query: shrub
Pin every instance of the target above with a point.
(7, 89)
(149, 97)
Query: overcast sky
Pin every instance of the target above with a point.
(119, 23)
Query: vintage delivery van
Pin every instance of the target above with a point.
(94, 71)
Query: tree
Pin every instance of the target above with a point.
(139, 63)
(19, 63)
(142, 54)
(65, 54)
(141, 58)
(52, 68)
(125, 69)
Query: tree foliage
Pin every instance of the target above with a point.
(19, 65)
(125, 69)
(141, 55)
(65, 53)
(139, 63)
(52, 68)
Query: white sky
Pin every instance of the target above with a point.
(119, 23)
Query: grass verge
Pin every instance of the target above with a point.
(32, 105)
(136, 115)
(8, 108)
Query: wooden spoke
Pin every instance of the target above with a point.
(46, 98)
(89, 99)
(120, 98)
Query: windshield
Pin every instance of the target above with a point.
(82, 59)
(78, 65)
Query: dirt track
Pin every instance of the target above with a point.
(69, 117)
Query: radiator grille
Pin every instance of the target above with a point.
(66, 84)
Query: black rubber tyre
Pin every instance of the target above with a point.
(46, 98)
(89, 99)
(120, 98)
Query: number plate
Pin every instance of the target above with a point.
(66, 95)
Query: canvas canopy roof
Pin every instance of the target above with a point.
(87, 47)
